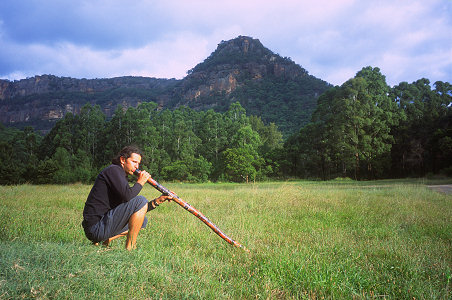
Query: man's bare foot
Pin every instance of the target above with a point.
(130, 248)
(105, 243)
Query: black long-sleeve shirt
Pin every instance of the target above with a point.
(110, 189)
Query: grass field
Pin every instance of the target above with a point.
(340, 240)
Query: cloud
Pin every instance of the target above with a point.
(166, 58)
(407, 41)
(333, 40)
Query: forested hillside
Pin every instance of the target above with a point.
(243, 114)
(240, 70)
(266, 84)
(362, 129)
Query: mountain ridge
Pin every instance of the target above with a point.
(241, 69)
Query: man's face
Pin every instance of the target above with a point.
(131, 164)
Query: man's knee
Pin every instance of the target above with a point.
(140, 202)
(144, 208)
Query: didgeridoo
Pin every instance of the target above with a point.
(194, 211)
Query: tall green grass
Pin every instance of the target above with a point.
(311, 240)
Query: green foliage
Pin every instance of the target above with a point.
(176, 170)
(179, 145)
(364, 129)
(81, 165)
(239, 164)
(288, 102)
(201, 169)
(62, 162)
(45, 172)
(421, 139)
(18, 150)
(194, 170)
(351, 125)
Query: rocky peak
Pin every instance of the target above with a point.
(239, 51)
(233, 63)
(242, 44)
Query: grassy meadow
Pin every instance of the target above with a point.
(313, 240)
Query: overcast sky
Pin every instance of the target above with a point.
(331, 39)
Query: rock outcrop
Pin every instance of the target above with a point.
(41, 100)
(241, 69)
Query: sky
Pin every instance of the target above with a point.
(331, 39)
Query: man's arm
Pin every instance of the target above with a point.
(120, 186)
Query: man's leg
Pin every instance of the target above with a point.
(107, 241)
(135, 223)
(116, 222)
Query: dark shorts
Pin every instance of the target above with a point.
(116, 221)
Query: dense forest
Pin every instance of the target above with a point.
(363, 129)
(181, 144)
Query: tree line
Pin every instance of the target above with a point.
(181, 144)
(362, 129)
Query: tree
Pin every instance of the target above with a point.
(82, 168)
(212, 132)
(323, 141)
(185, 142)
(234, 119)
(62, 161)
(270, 136)
(17, 155)
(351, 126)
(115, 134)
(246, 138)
(200, 170)
(177, 170)
(425, 123)
(89, 131)
(238, 164)
(61, 135)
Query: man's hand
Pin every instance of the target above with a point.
(162, 199)
(143, 177)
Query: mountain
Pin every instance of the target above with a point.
(242, 69)
(266, 84)
(42, 100)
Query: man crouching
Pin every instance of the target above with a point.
(113, 208)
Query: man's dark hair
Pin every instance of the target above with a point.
(126, 152)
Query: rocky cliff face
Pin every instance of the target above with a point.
(232, 64)
(241, 69)
(46, 84)
(41, 100)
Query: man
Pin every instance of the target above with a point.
(113, 208)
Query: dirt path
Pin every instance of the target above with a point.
(446, 188)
